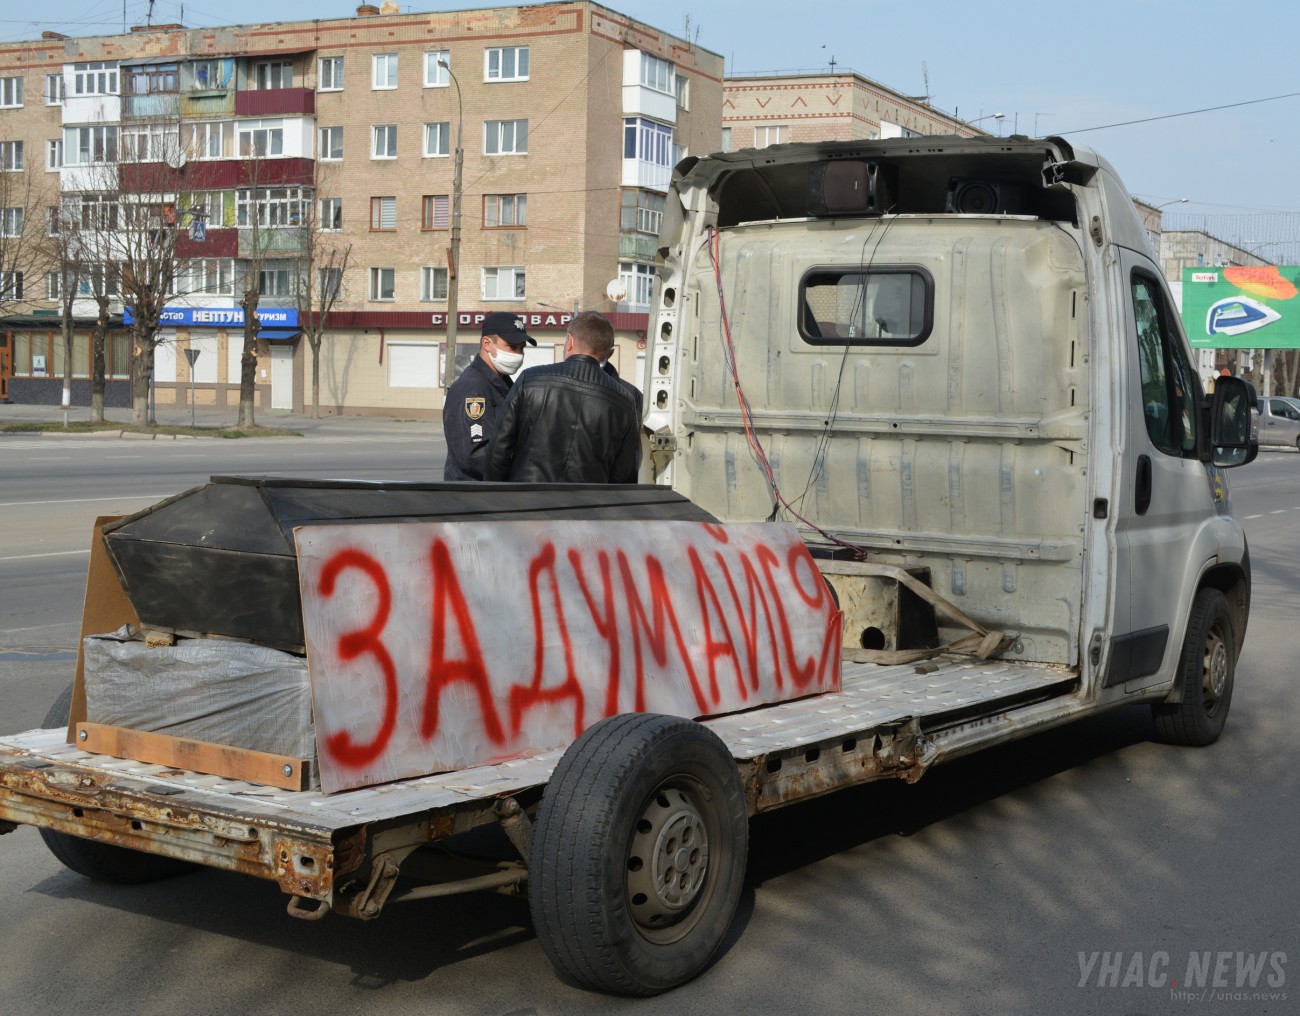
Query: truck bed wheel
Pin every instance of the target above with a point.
(638, 854)
(102, 861)
(1207, 666)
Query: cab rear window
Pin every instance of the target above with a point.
(879, 306)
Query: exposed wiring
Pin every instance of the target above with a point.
(713, 242)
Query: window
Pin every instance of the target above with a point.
(503, 283)
(437, 137)
(329, 283)
(505, 137)
(879, 307)
(207, 74)
(272, 207)
(385, 71)
(331, 213)
(726, 139)
(98, 211)
(11, 222)
(381, 283)
(54, 89)
(260, 137)
(639, 282)
(278, 74)
(683, 86)
(772, 135)
(330, 78)
(436, 75)
(508, 63)
(150, 79)
(98, 278)
(505, 210)
(435, 212)
(149, 143)
(642, 212)
(54, 153)
(212, 276)
(679, 153)
(11, 156)
(216, 207)
(433, 284)
(211, 140)
(384, 141)
(275, 278)
(331, 143)
(658, 74)
(11, 92)
(98, 78)
(647, 141)
(11, 285)
(383, 213)
(53, 286)
(53, 220)
(413, 364)
(1169, 392)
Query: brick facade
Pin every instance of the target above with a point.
(574, 100)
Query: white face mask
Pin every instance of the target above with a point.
(506, 362)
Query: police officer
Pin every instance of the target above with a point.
(469, 414)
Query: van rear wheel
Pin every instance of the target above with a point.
(1206, 671)
(103, 862)
(638, 854)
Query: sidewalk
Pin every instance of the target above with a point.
(174, 416)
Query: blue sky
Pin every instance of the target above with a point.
(1056, 67)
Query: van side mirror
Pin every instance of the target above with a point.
(1234, 423)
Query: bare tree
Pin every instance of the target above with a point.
(82, 245)
(24, 255)
(322, 277)
(273, 219)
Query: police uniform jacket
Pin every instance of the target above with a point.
(469, 419)
(567, 422)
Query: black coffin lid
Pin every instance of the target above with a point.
(220, 560)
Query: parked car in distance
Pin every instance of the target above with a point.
(1279, 421)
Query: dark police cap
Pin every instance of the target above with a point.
(507, 327)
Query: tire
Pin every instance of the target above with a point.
(638, 854)
(1206, 670)
(103, 862)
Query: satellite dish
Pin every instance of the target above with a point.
(388, 7)
(616, 290)
(175, 158)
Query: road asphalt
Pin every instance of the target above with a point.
(179, 416)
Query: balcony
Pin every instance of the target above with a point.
(276, 102)
(163, 107)
(218, 243)
(634, 246)
(272, 241)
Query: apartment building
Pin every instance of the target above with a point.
(773, 109)
(258, 149)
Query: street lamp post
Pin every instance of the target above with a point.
(1176, 201)
(991, 116)
(453, 257)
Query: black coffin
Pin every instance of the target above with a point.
(220, 560)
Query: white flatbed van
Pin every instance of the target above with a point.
(953, 365)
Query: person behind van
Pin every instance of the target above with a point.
(469, 412)
(568, 422)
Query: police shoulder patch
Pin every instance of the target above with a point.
(475, 408)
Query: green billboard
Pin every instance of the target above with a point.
(1242, 307)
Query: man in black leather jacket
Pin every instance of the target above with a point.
(568, 422)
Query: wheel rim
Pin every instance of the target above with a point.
(667, 880)
(1215, 670)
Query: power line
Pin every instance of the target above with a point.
(1190, 112)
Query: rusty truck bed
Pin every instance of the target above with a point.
(886, 721)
